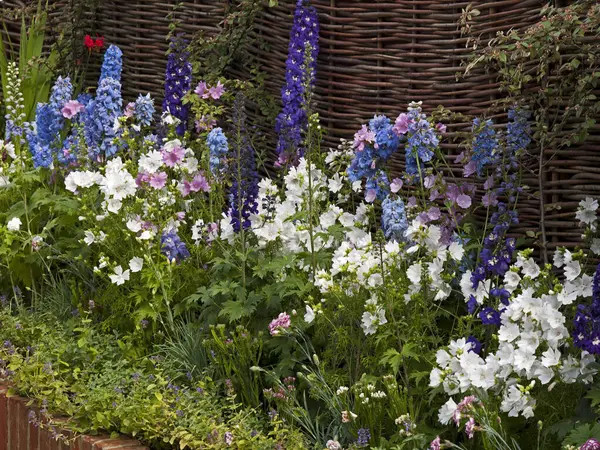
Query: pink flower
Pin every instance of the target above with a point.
(173, 156)
(205, 124)
(282, 321)
(590, 444)
(129, 109)
(370, 195)
(396, 185)
(464, 201)
(216, 91)
(202, 90)
(158, 180)
(429, 181)
(199, 183)
(180, 215)
(436, 444)
(470, 428)
(362, 137)
(441, 127)
(401, 125)
(141, 178)
(71, 109)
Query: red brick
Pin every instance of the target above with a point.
(3, 419)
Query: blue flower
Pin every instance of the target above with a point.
(218, 148)
(518, 131)
(421, 142)
(475, 344)
(112, 65)
(99, 118)
(144, 109)
(364, 436)
(393, 219)
(292, 122)
(485, 144)
(173, 247)
(386, 140)
(45, 141)
(379, 184)
(489, 316)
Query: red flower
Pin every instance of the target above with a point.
(89, 42)
(93, 44)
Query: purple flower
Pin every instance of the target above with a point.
(475, 344)
(281, 321)
(591, 444)
(178, 82)
(292, 122)
(364, 436)
(401, 124)
(435, 444)
(173, 247)
(464, 201)
(217, 91)
(489, 316)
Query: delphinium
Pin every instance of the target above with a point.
(373, 146)
(421, 139)
(99, 118)
(244, 188)
(44, 140)
(173, 247)
(393, 219)
(112, 65)
(586, 329)
(218, 147)
(485, 147)
(303, 50)
(143, 110)
(178, 82)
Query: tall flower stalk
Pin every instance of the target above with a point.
(178, 82)
(292, 122)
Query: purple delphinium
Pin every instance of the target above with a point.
(178, 82)
(292, 122)
(586, 330)
(244, 187)
(173, 247)
(422, 139)
(475, 344)
(364, 436)
(99, 118)
(489, 316)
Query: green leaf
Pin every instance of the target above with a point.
(582, 433)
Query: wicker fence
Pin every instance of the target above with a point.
(376, 57)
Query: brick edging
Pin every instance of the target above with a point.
(16, 433)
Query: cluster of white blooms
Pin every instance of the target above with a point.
(587, 215)
(116, 183)
(532, 338)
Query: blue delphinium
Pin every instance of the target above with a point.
(243, 194)
(45, 140)
(518, 130)
(476, 346)
(112, 66)
(218, 148)
(421, 142)
(485, 145)
(378, 185)
(373, 146)
(292, 122)
(99, 118)
(393, 219)
(178, 82)
(173, 247)
(490, 316)
(144, 109)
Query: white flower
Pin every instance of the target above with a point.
(14, 224)
(414, 273)
(9, 147)
(134, 225)
(511, 280)
(89, 237)
(120, 276)
(456, 251)
(530, 268)
(551, 357)
(336, 183)
(151, 162)
(447, 411)
(341, 390)
(310, 315)
(587, 211)
(136, 263)
(572, 270)
(595, 246)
